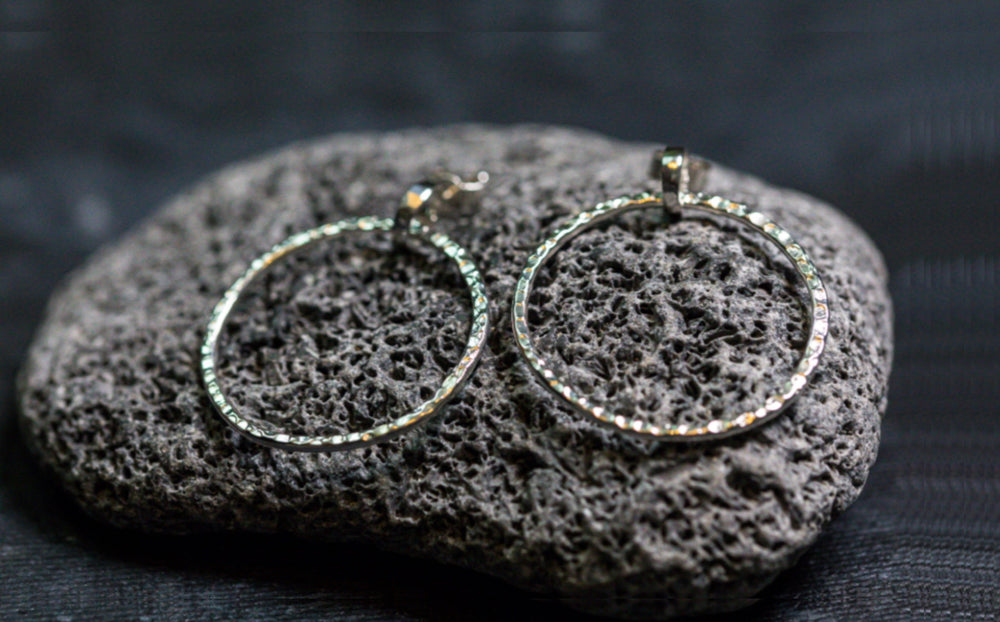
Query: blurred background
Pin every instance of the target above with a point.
(109, 108)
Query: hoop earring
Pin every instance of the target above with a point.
(681, 177)
(418, 211)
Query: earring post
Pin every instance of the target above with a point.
(419, 205)
(680, 174)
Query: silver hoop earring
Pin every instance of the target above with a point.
(681, 177)
(417, 213)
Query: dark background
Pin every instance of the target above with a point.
(106, 109)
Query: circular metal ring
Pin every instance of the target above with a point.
(818, 318)
(459, 374)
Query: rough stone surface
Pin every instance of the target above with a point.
(676, 322)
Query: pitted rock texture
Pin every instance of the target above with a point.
(674, 322)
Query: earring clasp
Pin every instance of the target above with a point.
(421, 204)
(680, 174)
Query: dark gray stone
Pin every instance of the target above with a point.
(677, 321)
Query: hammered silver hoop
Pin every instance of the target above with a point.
(350, 440)
(677, 196)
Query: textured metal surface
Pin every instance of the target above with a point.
(716, 428)
(348, 440)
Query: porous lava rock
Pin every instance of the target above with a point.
(674, 322)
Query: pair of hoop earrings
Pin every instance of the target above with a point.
(681, 178)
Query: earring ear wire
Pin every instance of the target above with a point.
(682, 177)
(414, 220)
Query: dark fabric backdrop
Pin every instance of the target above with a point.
(108, 108)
